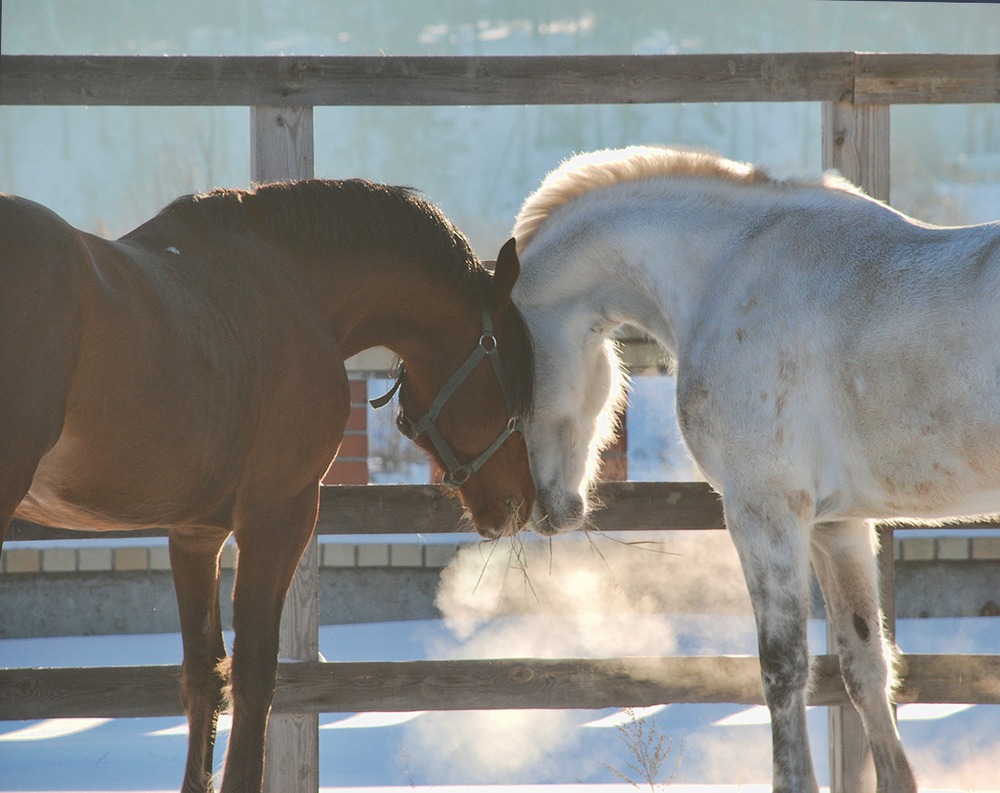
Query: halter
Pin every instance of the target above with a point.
(458, 473)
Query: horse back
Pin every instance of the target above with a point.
(201, 374)
(866, 358)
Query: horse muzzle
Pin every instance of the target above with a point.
(502, 521)
(558, 511)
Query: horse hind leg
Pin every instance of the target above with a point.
(19, 457)
(40, 332)
(32, 412)
(772, 548)
(194, 562)
(844, 560)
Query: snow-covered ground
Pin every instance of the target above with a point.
(953, 747)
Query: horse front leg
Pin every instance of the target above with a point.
(271, 541)
(844, 560)
(774, 556)
(194, 564)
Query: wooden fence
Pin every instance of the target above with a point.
(856, 91)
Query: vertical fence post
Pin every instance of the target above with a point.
(856, 142)
(281, 147)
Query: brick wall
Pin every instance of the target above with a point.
(351, 465)
(614, 459)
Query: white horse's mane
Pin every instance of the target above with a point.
(584, 173)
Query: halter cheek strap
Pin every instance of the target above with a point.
(386, 398)
(458, 473)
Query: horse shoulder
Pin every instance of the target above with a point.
(752, 380)
(303, 410)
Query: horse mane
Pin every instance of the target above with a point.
(314, 216)
(584, 173)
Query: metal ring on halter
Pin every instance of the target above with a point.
(457, 478)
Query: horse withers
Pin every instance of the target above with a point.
(190, 375)
(837, 363)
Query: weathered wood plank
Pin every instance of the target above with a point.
(281, 143)
(125, 692)
(23, 530)
(101, 692)
(293, 737)
(922, 78)
(377, 509)
(281, 147)
(620, 682)
(628, 506)
(865, 78)
(424, 509)
(496, 684)
(855, 140)
(423, 80)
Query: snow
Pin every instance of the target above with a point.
(952, 746)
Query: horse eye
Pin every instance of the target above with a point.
(404, 426)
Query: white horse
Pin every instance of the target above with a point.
(836, 361)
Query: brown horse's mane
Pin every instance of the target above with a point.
(318, 215)
(312, 215)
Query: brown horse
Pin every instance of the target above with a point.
(190, 375)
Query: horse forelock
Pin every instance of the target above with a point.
(584, 173)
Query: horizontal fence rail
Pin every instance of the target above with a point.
(426, 509)
(859, 78)
(482, 684)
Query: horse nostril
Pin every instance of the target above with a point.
(572, 517)
(489, 532)
(558, 511)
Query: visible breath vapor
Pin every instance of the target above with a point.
(600, 585)
(577, 596)
(603, 596)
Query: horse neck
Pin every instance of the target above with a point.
(394, 301)
(646, 263)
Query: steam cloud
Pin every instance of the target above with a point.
(577, 596)
(601, 597)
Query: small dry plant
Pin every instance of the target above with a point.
(649, 748)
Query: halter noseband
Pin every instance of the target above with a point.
(458, 473)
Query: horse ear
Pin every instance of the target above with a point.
(505, 275)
